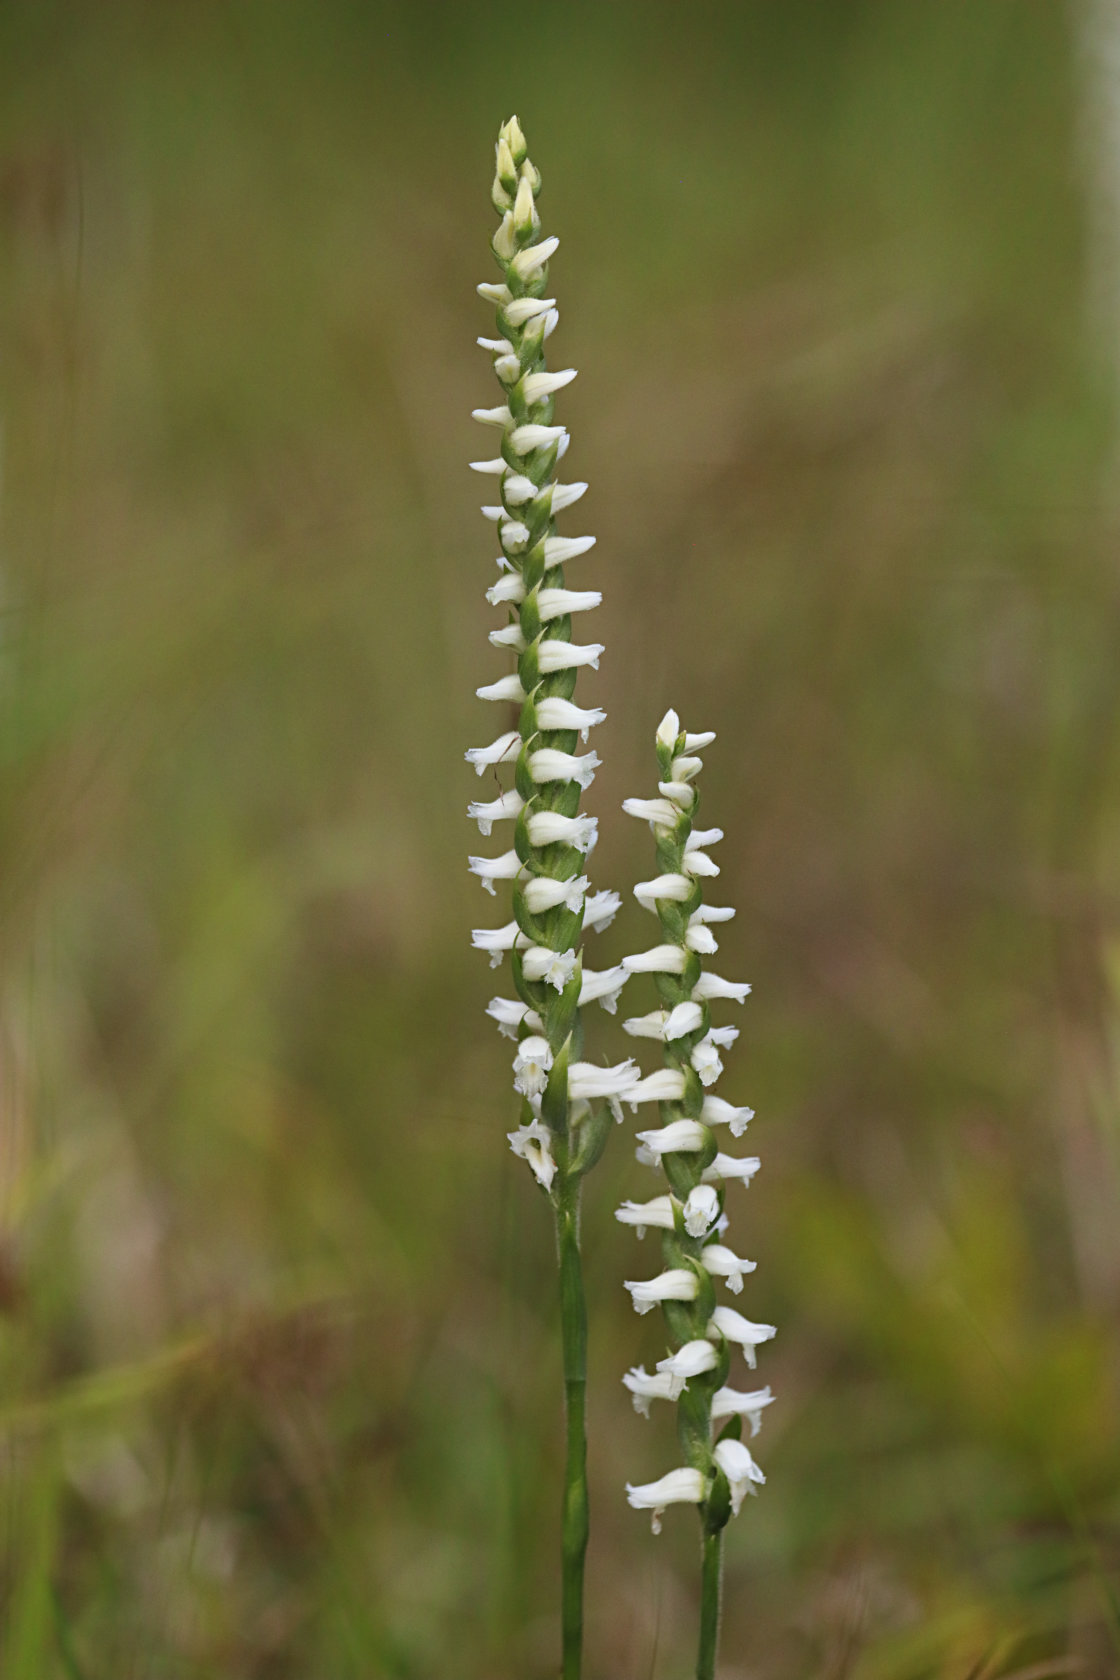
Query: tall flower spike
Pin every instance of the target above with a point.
(717, 1471)
(566, 1103)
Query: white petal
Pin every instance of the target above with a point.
(555, 603)
(662, 959)
(496, 466)
(523, 309)
(673, 887)
(486, 814)
(558, 550)
(554, 713)
(527, 438)
(516, 488)
(666, 1085)
(494, 291)
(685, 1018)
(729, 1402)
(554, 967)
(657, 811)
(602, 986)
(701, 1210)
(740, 1469)
(506, 688)
(536, 386)
(710, 986)
(549, 828)
(509, 636)
(699, 863)
(668, 729)
(726, 1167)
(587, 1080)
(701, 939)
(495, 941)
(679, 1284)
(501, 751)
(658, 1212)
(697, 743)
(562, 656)
(510, 588)
(492, 416)
(548, 764)
(565, 495)
(727, 1322)
(679, 1487)
(526, 263)
(716, 1112)
(679, 1135)
(647, 1026)
(602, 908)
(645, 1387)
(543, 893)
(504, 868)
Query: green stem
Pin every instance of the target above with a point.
(711, 1569)
(573, 1333)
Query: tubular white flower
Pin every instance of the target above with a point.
(549, 765)
(701, 1210)
(502, 751)
(559, 550)
(679, 1487)
(587, 1080)
(691, 1360)
(674, 887)
(515, 536)
(523, 310)
(554, 603)
(602, 908)
(508, 637)
(666, 1085)
(645, 1387)
(531, 1065)
(485, 815)
(726, 1167)
(702, 837)
(504, 868)
(495, 941)
(536, 386)
(510, 1013)
(699, 863)
(495, 467)
(683, 1018)
(533, 1143)
(508, 590)
(492, 416)
(660, 812)
(706, 1060)
(723, 1262)
(556, 713)
(701, 939)
(662, 959)
(739, 1467)
(516, 488)
(734, 1327)
(566, 495)
(647, 1026)
(555, 968)
(525, 439)
(658, 1212)
(678, 1135)
(602, 986)
(710, 986)
(677, 1284)
(543, 893)
(668, 730)
(716, 1112)
(528, 262)
(711, 913)
(549, 828)
(562, 656)
(729, 1402)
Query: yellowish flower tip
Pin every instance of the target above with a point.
(514, 138)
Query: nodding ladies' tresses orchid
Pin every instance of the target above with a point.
(566, 1103)
(696, 1262)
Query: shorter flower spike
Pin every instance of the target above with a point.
(719, 1473)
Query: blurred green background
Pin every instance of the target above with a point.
(278, 1351)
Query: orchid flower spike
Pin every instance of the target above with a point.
(689, 1215)
(545, 855)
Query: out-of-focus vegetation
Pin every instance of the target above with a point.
(278, 1357)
